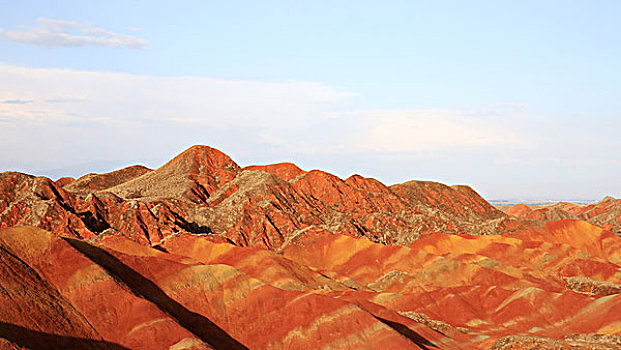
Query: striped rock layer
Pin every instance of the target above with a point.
(605, 213)
(203, 254)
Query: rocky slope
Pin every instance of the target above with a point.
(605, 213)
(322, 290)
(203, 254)
(125, 295)
(203, 191)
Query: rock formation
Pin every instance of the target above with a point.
(605, 213)
(204, 254)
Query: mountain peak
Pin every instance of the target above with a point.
(192, 175)
(518, 210)
(200, 157)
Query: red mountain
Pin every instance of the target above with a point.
(203, 254)
(605, 213)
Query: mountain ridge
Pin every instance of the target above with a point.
(201, 253)
(178, 196)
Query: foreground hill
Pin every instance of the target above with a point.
(323, 290)
(204, 254)
(130, 296)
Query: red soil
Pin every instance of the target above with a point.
(201, 253)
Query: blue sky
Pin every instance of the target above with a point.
(518, 99)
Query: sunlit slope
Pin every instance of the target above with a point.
(488, 286)
(202, 253)
(203, 191)
(139, 298)
(605, 213)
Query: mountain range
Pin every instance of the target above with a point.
(201, 253)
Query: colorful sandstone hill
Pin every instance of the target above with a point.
(204, 254)
(605, 213)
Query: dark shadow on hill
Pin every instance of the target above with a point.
(35, 340)
(198, 324)
(416, 338)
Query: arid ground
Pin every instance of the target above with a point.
(203, 254)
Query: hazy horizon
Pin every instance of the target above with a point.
(517, 100)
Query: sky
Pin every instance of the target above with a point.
(519, 99)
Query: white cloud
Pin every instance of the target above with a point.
(60, 118)
(16, 102)
(54, 32)
(413, 130)
(424, 129)
(513, 105)
(80, 116)
(58, 95)
(293, 115)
